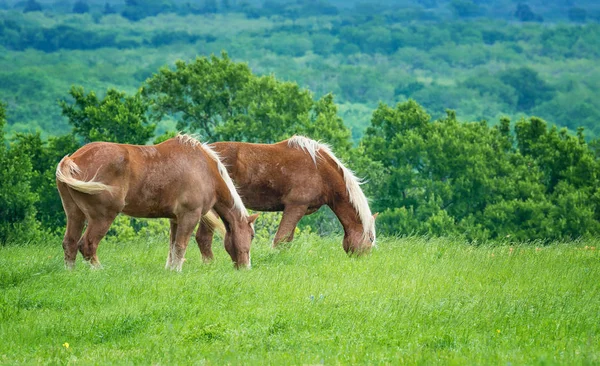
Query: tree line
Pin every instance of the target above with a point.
(136, 10)
(481, 68)
(510, 181)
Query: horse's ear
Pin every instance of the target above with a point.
(253, 217)
(375, 216)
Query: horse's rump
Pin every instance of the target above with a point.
(65, 172)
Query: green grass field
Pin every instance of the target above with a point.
(412, 300)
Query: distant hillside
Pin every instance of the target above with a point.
(439, 53)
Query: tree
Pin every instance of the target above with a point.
(81, 7)
(525, 14)
(44, 157)
(577, 14)
(116, 118)
(560, 156)
(17, 211)
(31, 6)
(210, 7)
(223, 100)
(445, 177)
(465, 8)
(266, 110)
(108, 9)
(326, 125)
(528, 86)
(139, 9)
(226, 5)
(200, 94)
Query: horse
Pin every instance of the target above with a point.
(180, 179)
(296, 176)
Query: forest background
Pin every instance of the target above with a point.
(392, 86)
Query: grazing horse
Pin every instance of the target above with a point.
(296, 176)
(180, 179)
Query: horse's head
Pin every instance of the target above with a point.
(358, 239)
(238, 238)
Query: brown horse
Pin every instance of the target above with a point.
(180, 179)
(296, 176)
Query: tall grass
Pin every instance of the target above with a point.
(412, 300)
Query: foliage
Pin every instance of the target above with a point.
(577, 14)
(17, 202)
(525, 14)
(445, 177)
(223, 100)
(32, 5)
(115, 118)
(465, 8)
(44, 157)
(126, 229)
(321, 69)
(201, 93)
(80, 7)
(529, 89)
(139, 9)
(363, 54)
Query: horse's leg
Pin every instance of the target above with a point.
(75, 224)
(172, 235)
(291, 215)
(95, 231)
(186, 224)
(204, 238)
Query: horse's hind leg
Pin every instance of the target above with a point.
(186, 223)
(204, 238)
(291, 215)
(75, 224)
(95, 231)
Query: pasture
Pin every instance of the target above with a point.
(412, 300)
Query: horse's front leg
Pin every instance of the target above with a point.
(291, 216)
(186, 222)
(172, 234)
(204, 238)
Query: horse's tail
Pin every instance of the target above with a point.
(356, 196)
(214, 223)
(64, 173)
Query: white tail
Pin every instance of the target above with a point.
(64, 173)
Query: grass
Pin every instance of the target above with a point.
(413, 300)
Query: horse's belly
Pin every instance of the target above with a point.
(260, 198)
(148, 212)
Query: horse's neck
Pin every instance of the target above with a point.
(227, 211)
(347, 215)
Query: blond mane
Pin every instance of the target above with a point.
(237, 200)
(356, 196)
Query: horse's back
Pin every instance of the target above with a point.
(147, 181)
(269, 176)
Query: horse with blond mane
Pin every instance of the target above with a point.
(180, 179)
(296, 176)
